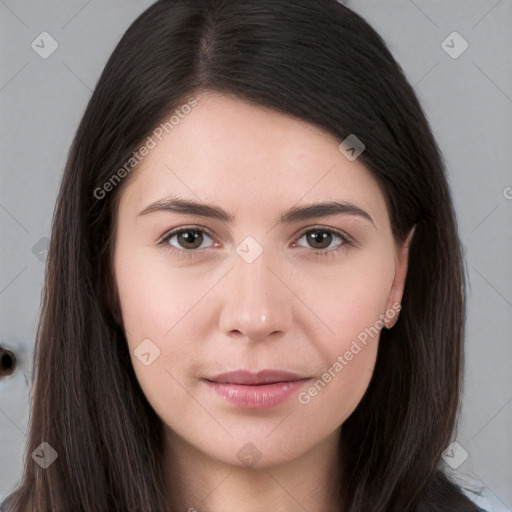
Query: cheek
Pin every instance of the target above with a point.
(353, 299)
(156, 304)
(332, 397)
(155, 298)
(351, 306)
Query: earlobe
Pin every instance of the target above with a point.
(397, 288)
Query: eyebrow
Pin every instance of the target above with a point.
(295, 214)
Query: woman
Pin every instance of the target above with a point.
(259, 371)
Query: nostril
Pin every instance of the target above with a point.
(8, 362)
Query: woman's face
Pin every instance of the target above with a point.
(262, 287)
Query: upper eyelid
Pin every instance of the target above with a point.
(176, 230)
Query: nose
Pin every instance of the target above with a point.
(257, 301)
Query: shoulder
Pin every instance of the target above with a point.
(449, 491)
(5, 506)
(476, 492)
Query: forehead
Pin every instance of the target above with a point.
(231, 152)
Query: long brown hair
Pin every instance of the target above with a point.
(312, 59)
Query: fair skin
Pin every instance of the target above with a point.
(288, 309)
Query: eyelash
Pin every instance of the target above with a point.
(193, 253)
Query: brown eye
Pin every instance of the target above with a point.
(322, 238)
(186, 238)
(319, 239)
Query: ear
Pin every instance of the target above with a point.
(397, 288)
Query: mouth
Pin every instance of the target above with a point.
(262, 377)
(261, 390)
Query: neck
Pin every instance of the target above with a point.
(198, 482)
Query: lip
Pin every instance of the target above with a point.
(253, 379)
(261, 390)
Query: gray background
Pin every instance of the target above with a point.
(468, 101)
